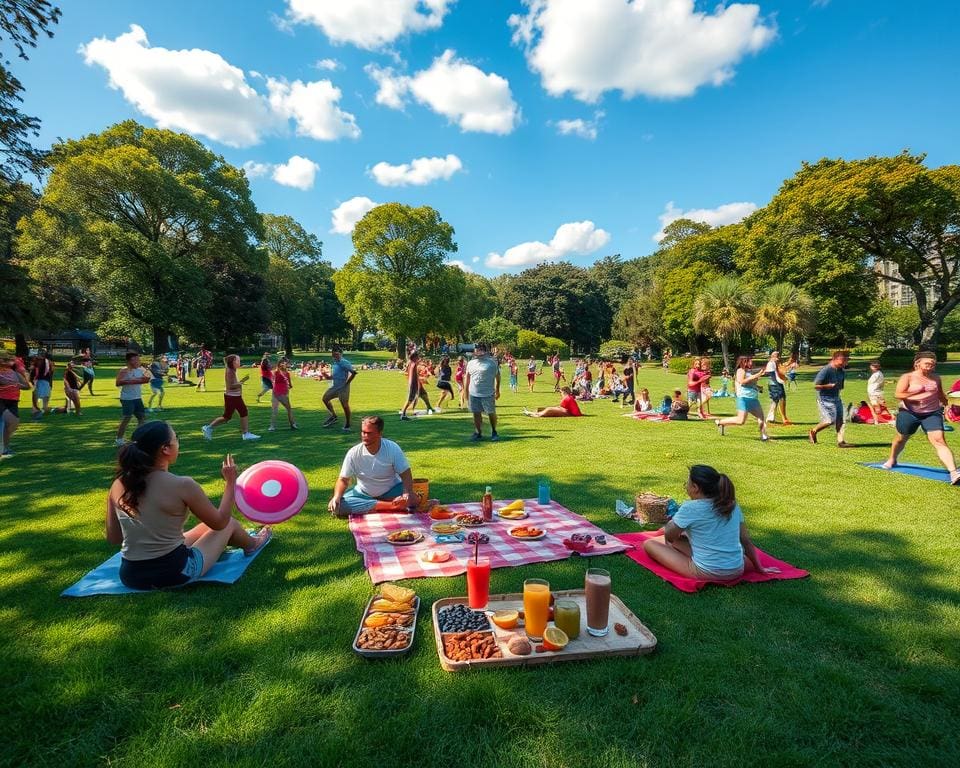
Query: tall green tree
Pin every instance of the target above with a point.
(723, 309)
(154, 224)
(396, 277)
(559, 300)
(783, 308)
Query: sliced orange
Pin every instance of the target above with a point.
(506, 619)
(555, 639)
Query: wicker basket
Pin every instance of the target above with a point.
(651, 508)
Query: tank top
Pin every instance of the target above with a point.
(444, 374)
(928, 402)
(281, 382)
(150, 534)
(747, 391)
(130, 391)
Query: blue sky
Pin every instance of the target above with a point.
(572, 132)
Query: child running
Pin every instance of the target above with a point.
(748, 398)
(232, 402)
(71, 389)
(707, 537)
(266, 376)
(282, 384)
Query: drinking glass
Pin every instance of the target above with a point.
(597, 588)
(536, 607)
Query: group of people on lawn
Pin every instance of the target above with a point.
(147, 506)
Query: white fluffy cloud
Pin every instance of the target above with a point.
(255, 170)
(313, 107)
(729, 213)
(346, 215)
(585, 129)
(201, 93)
(189, 90)
(576, 238)
(329, 65)
(659, 48)
(461, 265)
(297, 172)
(368, 24)
(418, 172)
(466, 95)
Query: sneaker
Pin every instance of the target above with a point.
(7, 454)
(764, 438)
(402, 418)
(331, 420)
(429, 411)
(494, 437)
(346, 429)
(294, 426)
(207, 431)
(250, 436)
(119, 441)
(271, 429)
(475, 437)
(437, 410)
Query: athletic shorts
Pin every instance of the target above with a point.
(233, 404)
(181, 566)
(878, 400)
(267, 382)
(487, 405)
(908, 422)
(156, 384)
(42, 388)
(70, 391)
(13, 406)
(777, 392)
(445, 386)
(342, 393)
(831, 410)
(749, 405)
(132, 407)
(530, 377)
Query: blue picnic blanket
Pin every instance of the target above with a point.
(105, 578)
(917, 470)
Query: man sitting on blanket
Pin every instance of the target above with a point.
(383, 474)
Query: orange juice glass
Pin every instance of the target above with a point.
(536, 607)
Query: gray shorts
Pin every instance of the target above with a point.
(132, 407)
(831, 410)
(341, 393)
(487, 405)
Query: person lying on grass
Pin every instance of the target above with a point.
(383, 474)
(568, 407)
(707, 537)
(148, 505)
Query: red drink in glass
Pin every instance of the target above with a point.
(478, 583)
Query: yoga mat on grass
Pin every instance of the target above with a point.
(105, 578)
(917, 470)
(688, 584)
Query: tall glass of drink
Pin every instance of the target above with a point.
(536, 607)
(478, 583)
(597, 589)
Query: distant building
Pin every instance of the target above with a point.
(898, 294)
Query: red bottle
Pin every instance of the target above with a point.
(487, 504)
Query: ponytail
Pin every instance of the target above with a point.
(716, 486)
(135, 462)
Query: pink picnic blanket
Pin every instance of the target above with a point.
(385, 561)
(647, 416)
(688, 584)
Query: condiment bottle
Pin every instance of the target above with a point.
(487, 504)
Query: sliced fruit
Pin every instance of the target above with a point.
(506, 619)
(514, 506)
(555, 639)
(397, 594)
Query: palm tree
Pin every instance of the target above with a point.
(724, 308)
(783, 308)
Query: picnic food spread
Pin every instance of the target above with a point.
(444, 528)
(469, 521)
(389, 622)
(527, 532)
(404, 537)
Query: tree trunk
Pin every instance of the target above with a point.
(22, 350)
(161, 340)
(287, 340)
(725, 352)
(402, 347)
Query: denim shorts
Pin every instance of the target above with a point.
(42, 388)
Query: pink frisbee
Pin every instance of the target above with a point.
(271, 492)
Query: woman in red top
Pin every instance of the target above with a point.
(282, 384)
(568, 407)
(266, 376)
(13, 378)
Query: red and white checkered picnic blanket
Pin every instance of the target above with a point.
(385, 561)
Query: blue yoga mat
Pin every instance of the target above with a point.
(917, 470)
(105, 578)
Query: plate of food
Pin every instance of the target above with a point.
(404, 538)
(527, 532)
(469, 521)
(445, 528)
(511, 514)
(441, 513)
(435, 556)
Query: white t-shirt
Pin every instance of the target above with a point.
(378, 472)
(483, 376)
(132, 391)
(875, 384)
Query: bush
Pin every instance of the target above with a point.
(615, 350)
(557, 346)
(902, 358)
(682, 364)
(531, 344)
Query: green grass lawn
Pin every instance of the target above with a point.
(857, 665)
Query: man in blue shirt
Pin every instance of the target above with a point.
(829, 383)
(341, 374)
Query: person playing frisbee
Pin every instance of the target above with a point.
(147, 507)
(383, 475)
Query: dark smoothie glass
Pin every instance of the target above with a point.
(597, 588)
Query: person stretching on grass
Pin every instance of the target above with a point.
(707, 537)
(282, 384)
(341, 374)
(922, 401)
(232, 402)
(568, 407)
(829, 383)
(748, 398)
(147, 507)
(383, 475)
